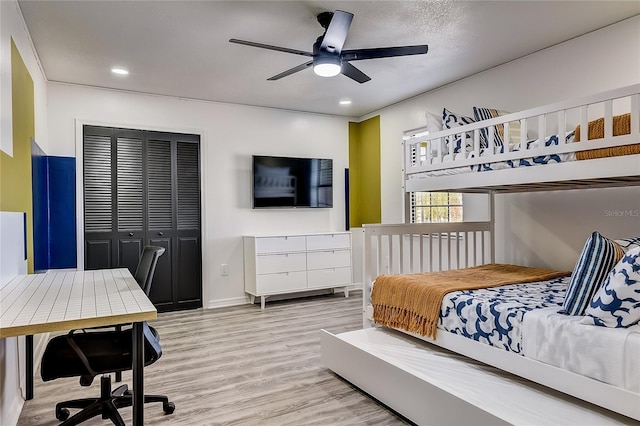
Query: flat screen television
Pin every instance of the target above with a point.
(288, 182)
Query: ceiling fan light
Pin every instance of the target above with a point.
(327, 66)
(327, 70)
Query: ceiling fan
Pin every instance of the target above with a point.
(328, 59)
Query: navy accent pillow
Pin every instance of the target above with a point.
(484, 114)
(598, 257)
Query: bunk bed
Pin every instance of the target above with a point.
(424, 376)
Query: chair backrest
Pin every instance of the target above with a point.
(147, 266)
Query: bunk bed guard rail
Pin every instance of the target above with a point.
(426, 247)
(425, 152)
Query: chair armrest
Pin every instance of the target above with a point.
(80, 354)
(101, 327)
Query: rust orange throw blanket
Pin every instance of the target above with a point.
(412, 301)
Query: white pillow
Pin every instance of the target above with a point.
(434, 122)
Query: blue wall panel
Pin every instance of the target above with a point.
(62, 212)
(40, 191)
(54, 210)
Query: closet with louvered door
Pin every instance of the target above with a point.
(189, 269)
(129, 198)
(160, 217)
(98, 199)
(143, 187)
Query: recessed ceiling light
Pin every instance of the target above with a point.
(119, 71)
(345, 102)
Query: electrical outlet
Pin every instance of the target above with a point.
(224, 269)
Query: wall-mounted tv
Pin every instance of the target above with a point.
(288, 182)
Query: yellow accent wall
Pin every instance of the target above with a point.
(365, 204)
(15, 172)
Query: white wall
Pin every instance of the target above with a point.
(12, 366)
(550, 229)
(12, 27)
(602, 60)
(230, 135)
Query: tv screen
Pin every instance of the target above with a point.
(292, 182)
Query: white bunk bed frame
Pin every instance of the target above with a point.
(407, 377)
(613, 171)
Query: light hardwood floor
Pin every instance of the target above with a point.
(241, 366)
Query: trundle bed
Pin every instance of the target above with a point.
(501, 355)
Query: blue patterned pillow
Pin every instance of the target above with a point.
(598, 257)
(628, 243)
(451, 120)
(617, 303)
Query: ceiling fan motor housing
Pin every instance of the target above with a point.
(324, 19)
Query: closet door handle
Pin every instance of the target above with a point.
(160, 234)
(131, 234)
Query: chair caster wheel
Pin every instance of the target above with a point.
(169, 407)
(62, 414)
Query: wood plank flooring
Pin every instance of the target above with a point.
(241, 366)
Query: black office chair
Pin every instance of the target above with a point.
(89, 352)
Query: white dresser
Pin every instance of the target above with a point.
(279, 264)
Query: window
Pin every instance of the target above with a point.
(435, 207)
(431, 207)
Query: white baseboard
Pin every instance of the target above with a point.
(223, 303)
(236, 301)
(355, 287)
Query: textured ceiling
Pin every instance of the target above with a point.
(181, 48)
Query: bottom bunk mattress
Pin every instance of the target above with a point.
(494, 315)
(523, 319)
(611, 355)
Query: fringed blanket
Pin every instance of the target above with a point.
(412, 302)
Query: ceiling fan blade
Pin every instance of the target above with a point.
(291, 71)
(337, 31)
(383, 52)
(270, 47)
(354, 73)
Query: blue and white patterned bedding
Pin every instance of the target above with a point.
(531, 161)
(494, 315)
(510, 164)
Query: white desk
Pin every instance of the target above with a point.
(58, 301)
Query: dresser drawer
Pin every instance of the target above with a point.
(328, 259)
(328, 241)
(281, 282)
(281, 262)
(321, 278)
(280, 244)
